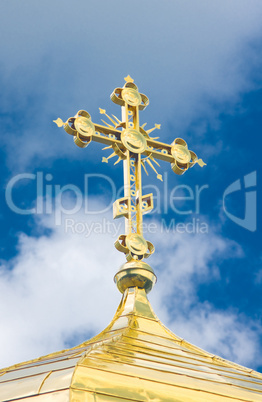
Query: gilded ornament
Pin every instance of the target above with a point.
(131, 96)
(133, 140)
(136, 244)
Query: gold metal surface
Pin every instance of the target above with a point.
(134, 246)
(181, 153)
(60, 379)
(183, 158)
(133, 140)
(131, 96)
(134, 359)
(137, 359)
(44, 367)
(58, 396)
(21, 387)
(135, 274)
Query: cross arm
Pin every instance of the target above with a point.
(85, 131)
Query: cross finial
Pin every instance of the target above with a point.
(133, 145)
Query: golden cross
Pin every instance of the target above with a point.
(134, 146)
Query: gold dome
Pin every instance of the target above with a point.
(134, 359)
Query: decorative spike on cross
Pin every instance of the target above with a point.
(134, 146)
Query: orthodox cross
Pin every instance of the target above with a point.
(133, 145)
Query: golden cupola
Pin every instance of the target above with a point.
(136, 358)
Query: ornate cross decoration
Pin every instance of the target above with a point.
(132, 144)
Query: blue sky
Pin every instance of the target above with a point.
(199, 62)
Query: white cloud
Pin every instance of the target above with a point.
(224, 333)
(192, 59)
(59, 288)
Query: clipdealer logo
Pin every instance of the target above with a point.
(249, 221)
(49, 198)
